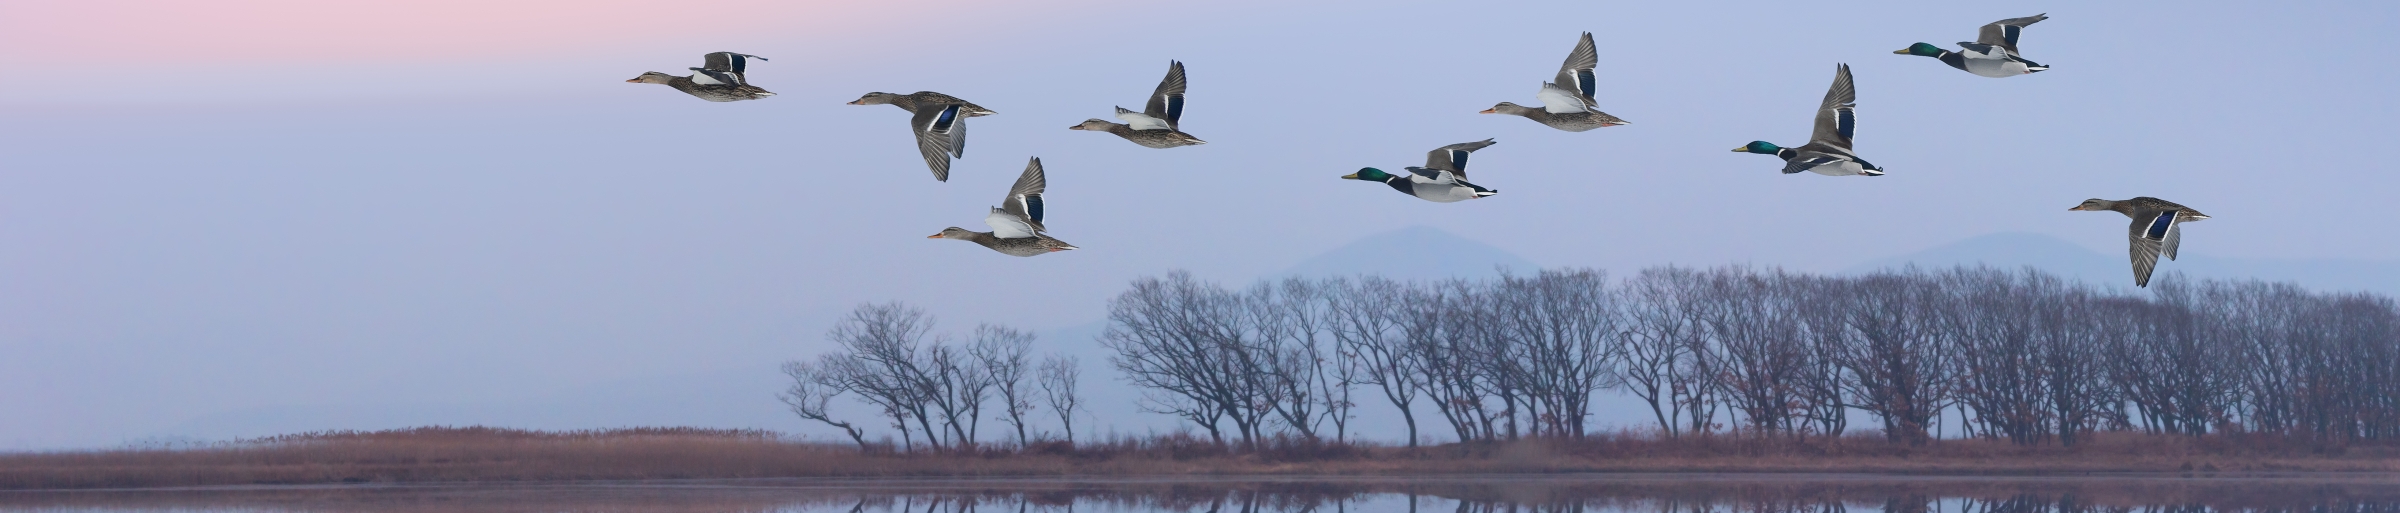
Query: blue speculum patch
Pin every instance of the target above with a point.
(2158, 227)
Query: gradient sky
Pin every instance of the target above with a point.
(210, 208)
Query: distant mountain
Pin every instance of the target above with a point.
(1416, 252)
(2075, 261)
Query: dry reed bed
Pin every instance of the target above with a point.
(478, 454)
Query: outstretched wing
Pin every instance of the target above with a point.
(1140, 121)
(1837, 118)
(1576, 75)
(1167, 103)
(941, 133)
(2004, 33)
(1024, 199)
(2149, 235)
(725, 68)
(1559, 100)
(1432, 176)
(1453, 158)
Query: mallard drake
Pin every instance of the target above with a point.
(1158, 125)
(1567, 102)
(2157, 228)
(720, 79)
(1017, 222)
(939, 121)
(1828, 149)
(1442, 180)
(1993, 54)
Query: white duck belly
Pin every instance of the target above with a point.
(1995, 64)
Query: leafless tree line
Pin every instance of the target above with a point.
(888, 357)
(2017, 355)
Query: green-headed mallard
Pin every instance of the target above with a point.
(1017, 222)
(1828, 149)
(940, 124)
(2157, 229)
(1159, 124)
(1567, 102)
(1993, 54)
(1442, 180)
(720, 79)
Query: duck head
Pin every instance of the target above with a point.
(1922, 50)
(2095, 204)
(1506, 108)
(877, 98)
(651, 78)
(953, 233)
(1368, 174)
(1760, 147)
(1094, 124)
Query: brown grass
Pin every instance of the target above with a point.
(480, 454)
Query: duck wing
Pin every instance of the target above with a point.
(1140, 121)
(1024, 202)
(941, 133)
(1166, 103)
(1837, 118)
(2004, 33)
(2149, 235)
(725, 68)
(1576, 75)
(1452, 158)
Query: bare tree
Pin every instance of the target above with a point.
(810, 396)
(1662, 312)
(1367, 323)
(1004, 355)
(1057, 377)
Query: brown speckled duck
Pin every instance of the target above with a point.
(1017, 222)
(2157, 229)
(939, 122)
(1567, 102)
(721, 79)
(1158, 125)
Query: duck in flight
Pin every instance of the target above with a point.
(1828, 149)
(939, 122)
(1159, 124)
(2157, 229)
(1442, 180)
(1567, 102)
(722, 78)
(1017, 223)
(1993, 54)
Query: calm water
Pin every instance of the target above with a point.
(1659, 493)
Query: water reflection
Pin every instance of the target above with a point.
(1486, 494)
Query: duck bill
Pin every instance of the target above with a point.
(1903, 51)
(1351, 176)
(1489, 111)
(1744, 149)
(934, 236)
(856, 102)
(2074, 208)
(634, 80)
(1076, 127)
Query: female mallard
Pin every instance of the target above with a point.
(721, 79)
(2156, 229)
(1993, 54)
(1158, 125)
(1828, 149)
(940, 123)
(1442, 180)
(1567, 102)
(1017, 222)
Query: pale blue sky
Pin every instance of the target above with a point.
(185, 241)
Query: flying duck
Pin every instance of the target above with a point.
(2157, 228)
(939, 121)
(1158, 125)
(1993, 54)
(1017, 222)
(1567, 102)
(1828, 149)
(1442, 180)
(719, 79)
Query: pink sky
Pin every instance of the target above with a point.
(248, 32)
